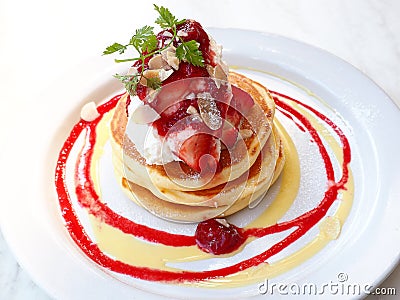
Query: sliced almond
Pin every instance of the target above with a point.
(164, 74)
(144, 114)
(157, 62)
(167, 34)
(181, 33)
(217, 72)
(209, 111)
(191, 96)
(149, 74)
(160, 73)
(169, 55)
(89, 112)
(191, 110)
(132, 71)
(172, 60)
(223, 222)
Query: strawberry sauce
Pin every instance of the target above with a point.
(210, 236)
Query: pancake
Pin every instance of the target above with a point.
(176, 192)
(222, 195)
(176, 175)
(253, 190)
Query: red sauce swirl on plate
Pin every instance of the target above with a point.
(234, 236)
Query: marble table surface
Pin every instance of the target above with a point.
(42, 38)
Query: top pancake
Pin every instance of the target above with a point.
(177, 175)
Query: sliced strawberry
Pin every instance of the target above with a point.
(241, 100)
(229, 136)
(141, 91)
(230, 129)
(233, 117)
(177, 113)
(200, 152)
(170, 95)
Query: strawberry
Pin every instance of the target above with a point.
(230, 129)
(200, 152)
(241, 100)
(216, 237)
(170, 96)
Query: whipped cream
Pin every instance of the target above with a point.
(150, 145)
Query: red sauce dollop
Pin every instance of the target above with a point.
(216, 238)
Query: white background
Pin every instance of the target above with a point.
(40, 40)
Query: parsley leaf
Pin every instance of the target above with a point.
(150, 44)
(114, 48)
(189, 51)
(153, 83)
(166, 19)
(143, 39)
(130, 82)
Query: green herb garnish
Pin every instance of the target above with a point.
(145, 42)
(166, 20)
(189, 51)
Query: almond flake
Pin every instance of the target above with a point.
(160, 73)
(164, 74)
(167, 34)
(165, 51)
(181, 33)
(191, 110)
(89, 112)
(209, 111)
(217, 73)
(157, 62)
(149, 74)
(172, 60)
(169, 55)
(223, 222)
(144, 114)
(191, 96)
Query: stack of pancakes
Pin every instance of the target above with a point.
(176, 192)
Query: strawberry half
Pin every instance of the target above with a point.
(241, 100)
(230, 129)
(200, 152)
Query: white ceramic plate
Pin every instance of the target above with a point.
(368, 248)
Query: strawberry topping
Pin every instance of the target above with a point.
(217, 237)
(182, 121)
(230, 130)
(200, 152)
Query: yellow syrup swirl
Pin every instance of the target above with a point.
(135, 251)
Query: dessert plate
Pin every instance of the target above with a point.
(366, 251)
